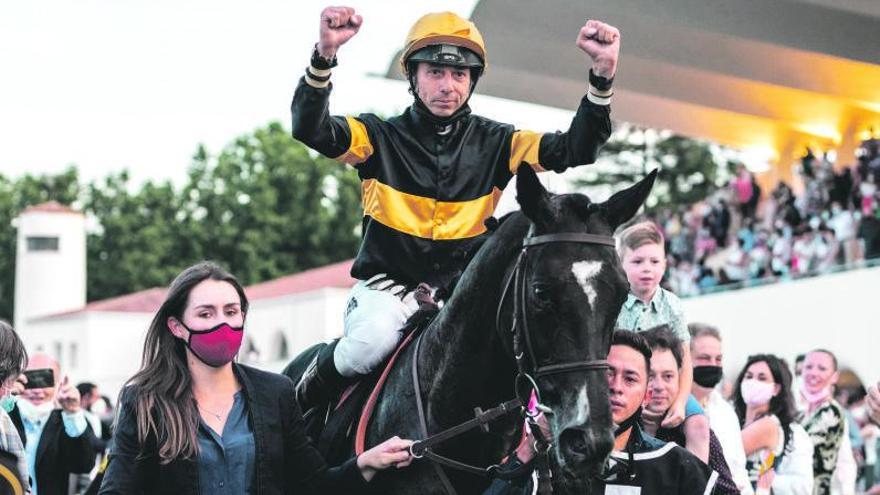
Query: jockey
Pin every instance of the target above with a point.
(430, 176)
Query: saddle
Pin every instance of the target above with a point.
(338, 426)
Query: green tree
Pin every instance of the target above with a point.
(267, 207)
(690, 169)
(137, 243)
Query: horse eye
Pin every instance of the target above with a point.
(541, 292)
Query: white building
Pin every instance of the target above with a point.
(50, 265)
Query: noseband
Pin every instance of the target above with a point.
(526, 375)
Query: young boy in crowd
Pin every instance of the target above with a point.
(643, 254)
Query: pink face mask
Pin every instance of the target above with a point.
(756, 393)
(816, 397)
(215, 346)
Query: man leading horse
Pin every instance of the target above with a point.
(430, 176)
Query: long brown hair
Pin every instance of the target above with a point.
(164, 403)
(782, 404)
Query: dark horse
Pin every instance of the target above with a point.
(572, 294)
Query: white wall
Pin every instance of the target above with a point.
(834, 311)
(48, 282)
(65, 339)
(117, 342)
(104, 348)
(302, 319)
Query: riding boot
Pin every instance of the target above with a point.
(321, 381)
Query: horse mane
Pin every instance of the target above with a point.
(493, 223)
(503, 242)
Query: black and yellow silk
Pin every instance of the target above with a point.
(428, 186)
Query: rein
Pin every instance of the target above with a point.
(526, 375)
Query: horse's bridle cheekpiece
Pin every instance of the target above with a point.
(525, 382)
(520, 320)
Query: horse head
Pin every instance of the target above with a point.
(569, 287)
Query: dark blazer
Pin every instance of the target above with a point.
(58, 455)
(285, 461)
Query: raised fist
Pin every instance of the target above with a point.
(602, 43)
(338, 25)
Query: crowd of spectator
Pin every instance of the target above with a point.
(742, 235)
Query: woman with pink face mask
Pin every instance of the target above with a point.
(778, 450)
(192, 421)
(824, 418)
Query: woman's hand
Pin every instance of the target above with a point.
(765, 481)
(526, 450)
(391, 452)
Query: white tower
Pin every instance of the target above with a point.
(50, 264)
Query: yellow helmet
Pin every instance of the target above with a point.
(438, 37)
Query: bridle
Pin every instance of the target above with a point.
(521, 336)
(528, 371)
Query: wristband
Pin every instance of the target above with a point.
(598, 82)
(600, 92)
(321, 63)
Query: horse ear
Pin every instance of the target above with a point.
(531, 195)
(623, 205)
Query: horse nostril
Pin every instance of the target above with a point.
(574, 445)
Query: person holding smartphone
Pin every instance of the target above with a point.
(57, 438)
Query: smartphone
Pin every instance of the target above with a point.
(43, 378)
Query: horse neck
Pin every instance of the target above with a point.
(463, 359)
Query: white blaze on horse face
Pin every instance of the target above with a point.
(578, 417)
(583, 407)
(584, 272)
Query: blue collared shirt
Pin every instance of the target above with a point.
(226, 463)
(74, 425)
(664, 308)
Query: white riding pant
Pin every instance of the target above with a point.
(376, 312)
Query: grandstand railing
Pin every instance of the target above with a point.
(759, 282)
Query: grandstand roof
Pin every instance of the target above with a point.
(765, 75)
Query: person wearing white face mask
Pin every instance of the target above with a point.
(824, 419)
(778, 450)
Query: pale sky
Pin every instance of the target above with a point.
(113, 84)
